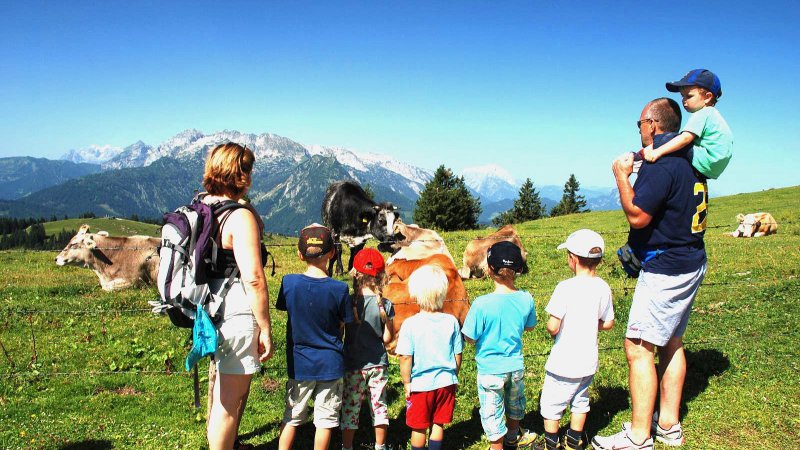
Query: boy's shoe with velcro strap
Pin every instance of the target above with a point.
(547, 444)
(572, 444)
(524, 439)
(620, 441)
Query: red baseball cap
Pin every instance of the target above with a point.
(369, 262)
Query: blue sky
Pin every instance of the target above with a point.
(543, 89)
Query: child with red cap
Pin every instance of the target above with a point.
(365, 359)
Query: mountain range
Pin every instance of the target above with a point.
(289, 180)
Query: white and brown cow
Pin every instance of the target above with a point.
(119, 262)
(475, 265)
(413, 243)
(755, 225)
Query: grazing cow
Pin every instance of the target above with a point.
(398, 271)
(353, 218)
(119, 262)
(475, 265)
(413, 243)
(755, 225)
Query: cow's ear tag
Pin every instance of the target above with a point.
(364, 219)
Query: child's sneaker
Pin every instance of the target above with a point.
(572, 444)
(524, 439)
(620, 441)
(547, 444)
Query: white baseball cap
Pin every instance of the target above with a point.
(584, 243)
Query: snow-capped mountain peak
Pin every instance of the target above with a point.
(491, 181)
(93, 154)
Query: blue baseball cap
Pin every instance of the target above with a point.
(698, 77)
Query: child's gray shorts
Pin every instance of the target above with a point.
(661, 305)
(558, 392)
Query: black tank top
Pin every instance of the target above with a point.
(226, 261)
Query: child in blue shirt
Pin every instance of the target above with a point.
(318, 308)
(495, 324)
(429, 347)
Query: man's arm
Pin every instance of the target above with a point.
(622, 168)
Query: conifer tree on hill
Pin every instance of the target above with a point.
(446, 204)
(527, 206)
(570, 202)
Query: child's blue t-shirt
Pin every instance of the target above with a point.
(496, 322)
(315, 307)
(433, 341)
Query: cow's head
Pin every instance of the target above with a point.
(78, 251)
(382, 228)
(748, 225)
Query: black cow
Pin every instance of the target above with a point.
(353, 218)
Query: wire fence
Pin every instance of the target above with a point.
(525, 237)
(29, 313)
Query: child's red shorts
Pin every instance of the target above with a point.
(424, 409)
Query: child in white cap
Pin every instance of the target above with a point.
(578, 308)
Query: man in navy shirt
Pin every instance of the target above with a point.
(666, 209)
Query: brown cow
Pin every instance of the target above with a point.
(755, 225)
(475, 265)
(415, 243)
(119, 262)
(398, 271)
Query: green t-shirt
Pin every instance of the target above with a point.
(713, 141)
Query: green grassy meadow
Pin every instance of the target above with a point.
(85, 369)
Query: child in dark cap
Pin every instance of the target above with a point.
(495, 324)
(318, 307)
(706, 129)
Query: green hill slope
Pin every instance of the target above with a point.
(115, 227)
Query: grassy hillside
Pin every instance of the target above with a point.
(115, 227)
(82, 368)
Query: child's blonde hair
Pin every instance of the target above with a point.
(428, 287)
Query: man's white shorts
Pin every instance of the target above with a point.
(662, 304)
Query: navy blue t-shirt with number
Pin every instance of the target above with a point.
(677, 198)
(316, 307)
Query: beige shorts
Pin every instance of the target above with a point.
(237, 348)
(327, 402)
(237, 334)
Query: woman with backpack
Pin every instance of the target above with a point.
(244, 333)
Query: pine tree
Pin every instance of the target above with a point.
(446, 204)
(370, 193)
(570, 202)
(527, 206)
